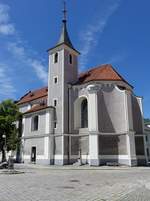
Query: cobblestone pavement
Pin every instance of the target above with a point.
(39, 183)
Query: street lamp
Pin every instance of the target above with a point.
(4, 148)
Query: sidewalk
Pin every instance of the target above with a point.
(75, 183)
(75, 167)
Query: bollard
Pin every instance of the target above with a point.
(11, 163)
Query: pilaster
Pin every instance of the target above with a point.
(132, 160)
(49, 141)
(131, 149)
(93, 125)
(140, 102)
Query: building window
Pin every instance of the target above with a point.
(70, 59)
(84, 114)
(55, 80)
(35, 123)
(33, 154)
(146, 138)
(22, 128)
(56, 58)
(147, 151)
(55, 125)
(55, 102)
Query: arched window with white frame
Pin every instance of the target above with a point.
(81, 113)
(84, 113)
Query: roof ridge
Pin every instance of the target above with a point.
(99, 66)
(34, 90)
(25, 95)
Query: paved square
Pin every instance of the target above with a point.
(75, 183)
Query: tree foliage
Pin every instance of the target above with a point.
(146, 120)
(9, 114)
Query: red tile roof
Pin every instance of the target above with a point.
(36, 108)
(101, 73)
(33, 95)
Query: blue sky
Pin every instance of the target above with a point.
(104, 31)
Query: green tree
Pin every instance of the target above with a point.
(9, 114)
(146, 120)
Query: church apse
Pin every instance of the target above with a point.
(112, 125)
(112, 109)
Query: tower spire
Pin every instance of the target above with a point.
(64, 36)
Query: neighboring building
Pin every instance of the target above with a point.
(147, 124)
(147, 139)
(94, 116)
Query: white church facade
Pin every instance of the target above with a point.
(94, 117)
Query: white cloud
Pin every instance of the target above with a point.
(90, 36)
(39, 69)
(19, 52)
(17, 48)
(116, 58)
(6, 28)
(6, 86)
(4, 16)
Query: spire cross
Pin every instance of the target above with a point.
(65, 12)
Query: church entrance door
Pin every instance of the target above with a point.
(33, 154)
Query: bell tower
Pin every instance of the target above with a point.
(63, 70)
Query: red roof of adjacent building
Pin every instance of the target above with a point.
(101, 73)
(36, 108)
(33, 95)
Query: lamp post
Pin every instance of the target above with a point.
(4, 148)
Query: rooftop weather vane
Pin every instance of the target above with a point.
(65, 12)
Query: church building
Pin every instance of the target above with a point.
(93, 117)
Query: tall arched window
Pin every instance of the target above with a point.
(84, 114)
(56, 57)
(35, 123)
(70, 59)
